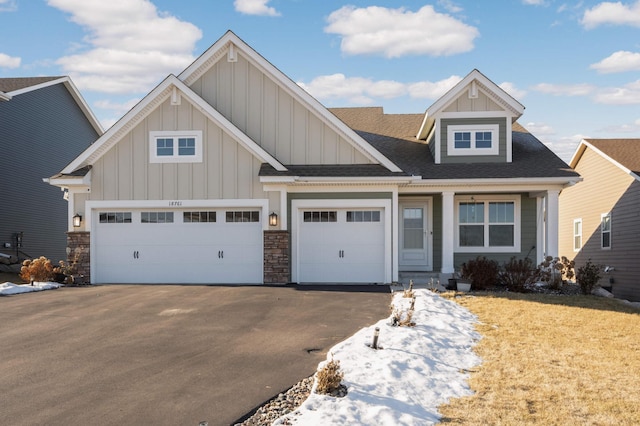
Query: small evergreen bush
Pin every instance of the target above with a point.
(483, 272)
(588, 276)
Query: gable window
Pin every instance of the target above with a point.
(605, 231)
(175, 146)
(577, 234)
(481, 139)
(490, 225)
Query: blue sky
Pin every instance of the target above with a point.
(575, 65)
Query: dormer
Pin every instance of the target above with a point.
(471, 123)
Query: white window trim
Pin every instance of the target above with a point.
(495, 142)
(573, 233)
(175, 158)
(602, 216)
(517, 218)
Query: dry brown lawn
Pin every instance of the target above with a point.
(552, 360)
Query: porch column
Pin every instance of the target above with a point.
(448, 234)
(552, 227)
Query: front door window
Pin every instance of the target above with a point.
(413, 228)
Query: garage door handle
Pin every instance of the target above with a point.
(340, 253)
(220, 254)
(136, 255)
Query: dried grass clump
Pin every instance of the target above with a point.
(40, 269)
(329, 377)
(408, 294)
(402, 318)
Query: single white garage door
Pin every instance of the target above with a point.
(178, 246)
(341, 245)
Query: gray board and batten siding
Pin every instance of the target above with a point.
(41, 131)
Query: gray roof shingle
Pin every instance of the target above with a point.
(394, 135)
(17, 83)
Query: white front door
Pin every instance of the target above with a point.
(415, 236)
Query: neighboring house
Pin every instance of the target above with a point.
(232, 173)
(599, 218)
(44, 124)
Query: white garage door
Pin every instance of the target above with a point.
(341, 245)
(178, 246)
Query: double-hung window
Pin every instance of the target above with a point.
(490, 225)
(481, 139)
(605, 231)
(577, 234)
(175, 146)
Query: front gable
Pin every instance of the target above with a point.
(274, 111)
(471, 123)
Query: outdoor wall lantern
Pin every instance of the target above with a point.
(273, 219)
(77, 220)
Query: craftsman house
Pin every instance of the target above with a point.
(232, 173)
(44, 124)
(599, 217)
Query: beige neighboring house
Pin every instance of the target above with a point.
(600, 217)
(231, 173)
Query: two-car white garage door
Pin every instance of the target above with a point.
(178, 246)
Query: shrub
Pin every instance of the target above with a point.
(482, 272)
(518, 274)
(329, 377)
(588, 276)
(39, 269)
(555, 270)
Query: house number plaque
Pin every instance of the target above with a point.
(175, 203)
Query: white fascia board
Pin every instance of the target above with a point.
(4, 96)
(70, 181)
(494, 92)
(217, 50)
(122, 126)
(493, 185)
(75, 93)
(240, 137)
(578, 153)
(605, 156)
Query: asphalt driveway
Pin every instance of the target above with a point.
(167, 355)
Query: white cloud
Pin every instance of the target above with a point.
(450, 6)
(432, 90)
(8, 6)
(565, 89)
(399, 32)
(255, 7)
(564, 146)
(620, 61)
(132, 45)
(512, 90)
(365, 91)
(7, 61)
(612, 13)
(539, 129)
(628, 94)
(534, 2)
(623, 128)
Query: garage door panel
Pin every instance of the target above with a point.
(341, 251)
(178, 252)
